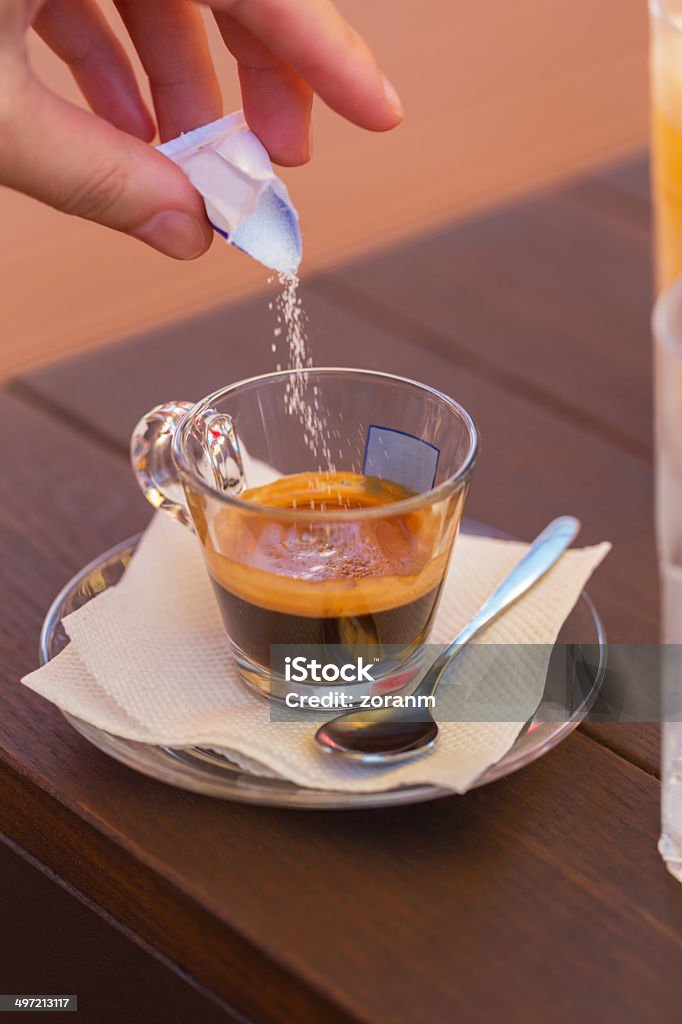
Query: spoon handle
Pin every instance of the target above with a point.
(543, 553)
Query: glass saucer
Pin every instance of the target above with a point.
(203, 771)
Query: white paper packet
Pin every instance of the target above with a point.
(245, 200)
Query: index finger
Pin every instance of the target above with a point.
(312, 37)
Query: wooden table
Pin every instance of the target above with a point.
(540, 898)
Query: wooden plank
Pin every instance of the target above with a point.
(533, 465)
(548, 904)
(621, 192)
(632, 177)
(60, 944)
(75, 836)
(550, 297)
(638, 742)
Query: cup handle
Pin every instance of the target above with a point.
(220, 444)
(152, 459)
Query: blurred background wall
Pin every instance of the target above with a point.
(501, 97)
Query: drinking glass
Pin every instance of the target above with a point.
(667, 327)
(310, 574)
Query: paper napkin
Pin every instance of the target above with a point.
(148, 660)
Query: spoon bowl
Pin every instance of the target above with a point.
(379, 736)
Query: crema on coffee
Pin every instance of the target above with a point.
(357, 573)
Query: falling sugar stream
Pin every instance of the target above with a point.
(302, 399)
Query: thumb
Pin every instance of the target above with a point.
(81, 164)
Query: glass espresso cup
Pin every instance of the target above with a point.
(326, 503)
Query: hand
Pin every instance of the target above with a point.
(99, 165)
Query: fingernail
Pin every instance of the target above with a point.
(393, 98)
(174, 233)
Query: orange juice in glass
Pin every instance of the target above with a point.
(666, 85)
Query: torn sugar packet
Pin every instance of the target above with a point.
(245, 200)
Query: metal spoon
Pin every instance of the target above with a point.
(382, 735)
